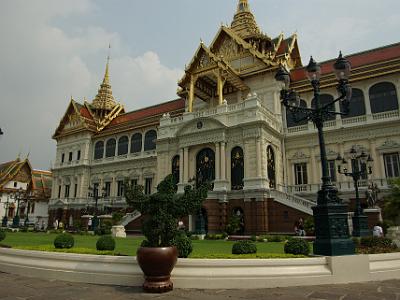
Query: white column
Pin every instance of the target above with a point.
(181, 165)
(223, 162)
(186, 164)
(228, 167)
(217, 161)
(258, 156)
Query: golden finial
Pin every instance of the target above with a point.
(243, 6)
(106, 79)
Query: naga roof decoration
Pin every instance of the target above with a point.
(238, 51)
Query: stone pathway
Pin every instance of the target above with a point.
(19, 287)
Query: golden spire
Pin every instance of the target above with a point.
(104, 100)
(244, 23)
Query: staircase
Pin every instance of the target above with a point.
(129, 217)
(293, 201)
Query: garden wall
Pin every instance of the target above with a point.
(204, 273)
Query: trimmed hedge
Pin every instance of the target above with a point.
(105, 243)
(244, 247)
(64, 241)
(373, 241)
(2, 235)
(184, 245)
(297, 246)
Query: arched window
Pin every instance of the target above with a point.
(271, 167)
(324, 99)
(110, 148)
(99, 150)
(136, 143)
(357, 105)
(205, 166)
(175, 168)
(291, 122)
(237, 168)
(150, 140)
(383, 97)
(123, 145)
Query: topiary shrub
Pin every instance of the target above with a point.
(2, 235)
(105, 242)
(184, 245)
(297, 246)
(244, 247)
(64, 241)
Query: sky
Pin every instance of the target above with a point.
(52, 50)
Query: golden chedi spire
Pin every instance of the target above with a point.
(244, 23)
(104, 100)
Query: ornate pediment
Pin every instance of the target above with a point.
(199, 126)
(389, 144)
(299, 155)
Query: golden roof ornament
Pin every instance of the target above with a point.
(104, 99)
(244, 23)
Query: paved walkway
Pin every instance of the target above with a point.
(18, 287)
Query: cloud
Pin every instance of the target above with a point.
(42, 66)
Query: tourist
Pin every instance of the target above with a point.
(377, 231)
(299, 228)
(55, 224)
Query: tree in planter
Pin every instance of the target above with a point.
(391, 208)
(163, 209)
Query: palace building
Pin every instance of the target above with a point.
(228, 126)
(24, 192)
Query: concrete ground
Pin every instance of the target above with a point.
(19, 287)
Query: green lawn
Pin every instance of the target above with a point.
(128, 246)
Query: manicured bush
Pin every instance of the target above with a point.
(216, 236)
(105, 242)
(373, 241)
(244, 247)
(2, 235)
(64, 240)
(253, 238)
(102, 230)
(297, 246)
(276, 238)
(184, 245)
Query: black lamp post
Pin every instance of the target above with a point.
(360, 166)
(28, 198)
(330, 215)
(18, 195)
(4, 222)
(94, 193)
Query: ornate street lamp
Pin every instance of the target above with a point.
(4, 222)
(94, 193)
(360, 166)
(330, 215)
(28, 198)
(18, 196)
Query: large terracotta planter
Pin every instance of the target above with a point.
(157, 264)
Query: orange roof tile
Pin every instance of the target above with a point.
(356, 60)
(150, 111)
